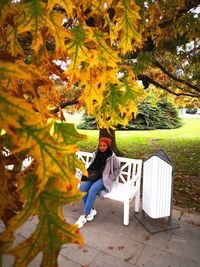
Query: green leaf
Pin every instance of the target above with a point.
(3, 3)
(68, 133)
(52, 231)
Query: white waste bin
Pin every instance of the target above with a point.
(157, 185)
(157, 194)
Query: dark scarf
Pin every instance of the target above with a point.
(96, 169)
(100, 160)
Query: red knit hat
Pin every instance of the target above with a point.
(106, 140)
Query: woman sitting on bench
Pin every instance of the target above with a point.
(103, 170)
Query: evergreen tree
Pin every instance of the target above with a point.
(161, 116)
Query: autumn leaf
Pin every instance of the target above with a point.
(147, 237)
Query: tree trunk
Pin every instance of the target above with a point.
(111, 135)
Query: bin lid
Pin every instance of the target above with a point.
(162, 155)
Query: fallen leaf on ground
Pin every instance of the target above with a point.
(147, 237)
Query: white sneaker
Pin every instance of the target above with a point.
(92, 214)
(81, 221)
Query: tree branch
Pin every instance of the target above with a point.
(66, 104)
(147, 79)
(157, 64)
(190, 5)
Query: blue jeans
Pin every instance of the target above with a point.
(92, 189)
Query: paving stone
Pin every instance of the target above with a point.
(8, 260)
(90, 232)
(103, 259)
(191, 218)
(81, 255)
(28, 227)
(18, 239)
(176, 214)
(152, 257)
(135, 231)
(121, 247)
(36, 261)
(188, 231)
(185, 248)
(64, 262)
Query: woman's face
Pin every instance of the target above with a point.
(102, 146)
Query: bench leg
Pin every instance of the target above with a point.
(126, 213)
(137, 202)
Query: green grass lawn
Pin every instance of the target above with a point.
(182, 145)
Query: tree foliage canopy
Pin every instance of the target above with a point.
(169, 58)
(106, 46)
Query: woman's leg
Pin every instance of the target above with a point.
(91, 195)
(84, 187)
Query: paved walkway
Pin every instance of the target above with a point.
(111, 244)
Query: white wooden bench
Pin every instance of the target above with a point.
(126, 186)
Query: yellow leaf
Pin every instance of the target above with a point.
(15, 47)
(69, 6)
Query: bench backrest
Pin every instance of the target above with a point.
(130, 168)
(85, 157)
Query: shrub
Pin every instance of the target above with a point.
(162, 116)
